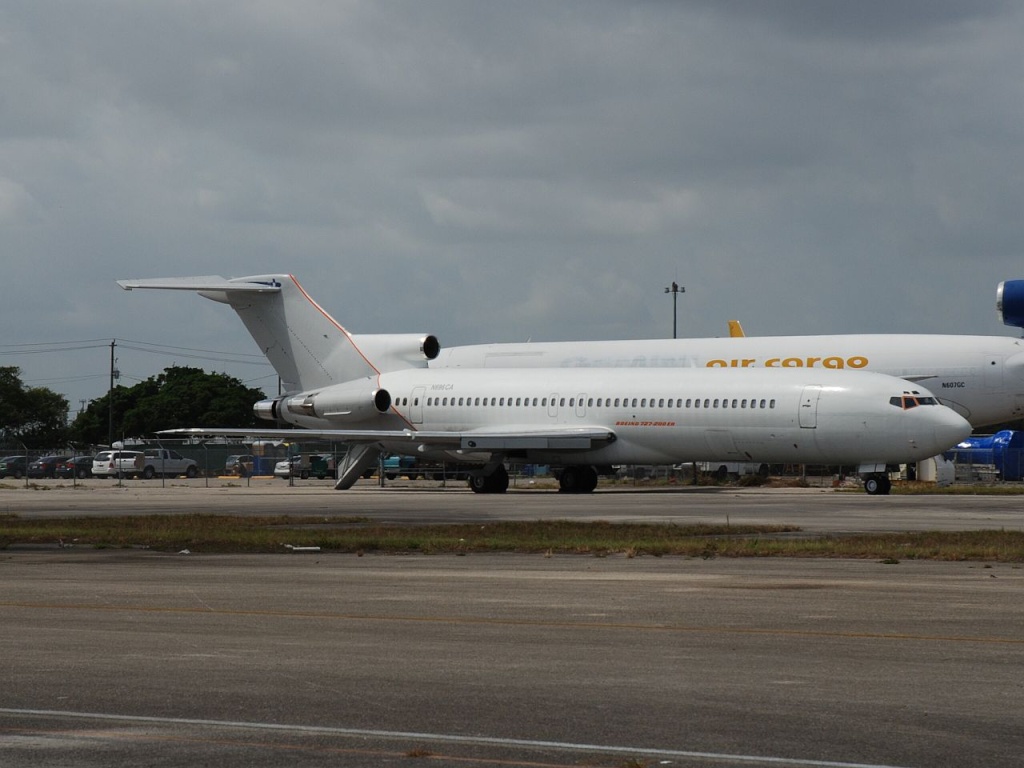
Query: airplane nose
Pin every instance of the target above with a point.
(950, 427)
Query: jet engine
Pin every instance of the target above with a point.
(393, 352)
(351, 402)
(1010, 302)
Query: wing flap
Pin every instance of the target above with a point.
(547, 442)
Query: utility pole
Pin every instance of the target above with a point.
(114, 374)
(675, 289)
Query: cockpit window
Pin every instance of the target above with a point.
(910, 400)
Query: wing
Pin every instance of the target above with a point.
(559, 439)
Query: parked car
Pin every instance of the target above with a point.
(323, 465)
(393, 466)
(157, 462)
(46, 466)
(400, 465)
(296, 466)
(240, 465)
(117, 463)
(13, 466)
(77, 466)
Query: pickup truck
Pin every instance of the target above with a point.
(161, 461)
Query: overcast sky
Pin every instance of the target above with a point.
(502, 171)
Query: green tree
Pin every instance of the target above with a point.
(179, 397)
(92, 425)
(36, 417)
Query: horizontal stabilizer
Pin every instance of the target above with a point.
(203, 283)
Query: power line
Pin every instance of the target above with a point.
(223, 357)
(37, 348)
(49, 349)
(190, 349)
(50, 343)
(86, 377)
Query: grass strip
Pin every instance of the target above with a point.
(219, 534)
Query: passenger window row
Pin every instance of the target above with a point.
(600, 402)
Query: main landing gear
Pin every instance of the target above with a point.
(577, 480)
(877, 485)
(494, 482)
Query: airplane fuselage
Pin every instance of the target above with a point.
(655, 416)
(980, 377)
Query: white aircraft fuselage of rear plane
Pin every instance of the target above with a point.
(980, 377)
(377, 393)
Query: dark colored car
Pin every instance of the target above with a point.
(322, 466)
(239, 465)
(46, 466)
(13, 466)
(79, 466)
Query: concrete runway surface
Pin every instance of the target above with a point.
(139, 658)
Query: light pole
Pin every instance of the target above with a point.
(675, 289)
(114, 375)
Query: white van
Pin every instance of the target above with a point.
(117, 464)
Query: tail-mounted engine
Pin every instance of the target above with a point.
(351, 402)
(394, 352)
(1010, 302)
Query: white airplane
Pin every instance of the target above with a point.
(980, 377)
(376, 393)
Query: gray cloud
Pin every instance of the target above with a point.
(507, 171)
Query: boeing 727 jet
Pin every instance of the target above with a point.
(376, 393)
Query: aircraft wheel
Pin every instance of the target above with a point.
(577, 480)
(496, 482)
(569, 480)
(877, 485)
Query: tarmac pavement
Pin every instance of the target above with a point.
(139, 658)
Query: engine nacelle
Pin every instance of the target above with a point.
(397, 351)
(1010, 302)
(352, 401)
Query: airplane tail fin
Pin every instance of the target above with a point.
(308, 348)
